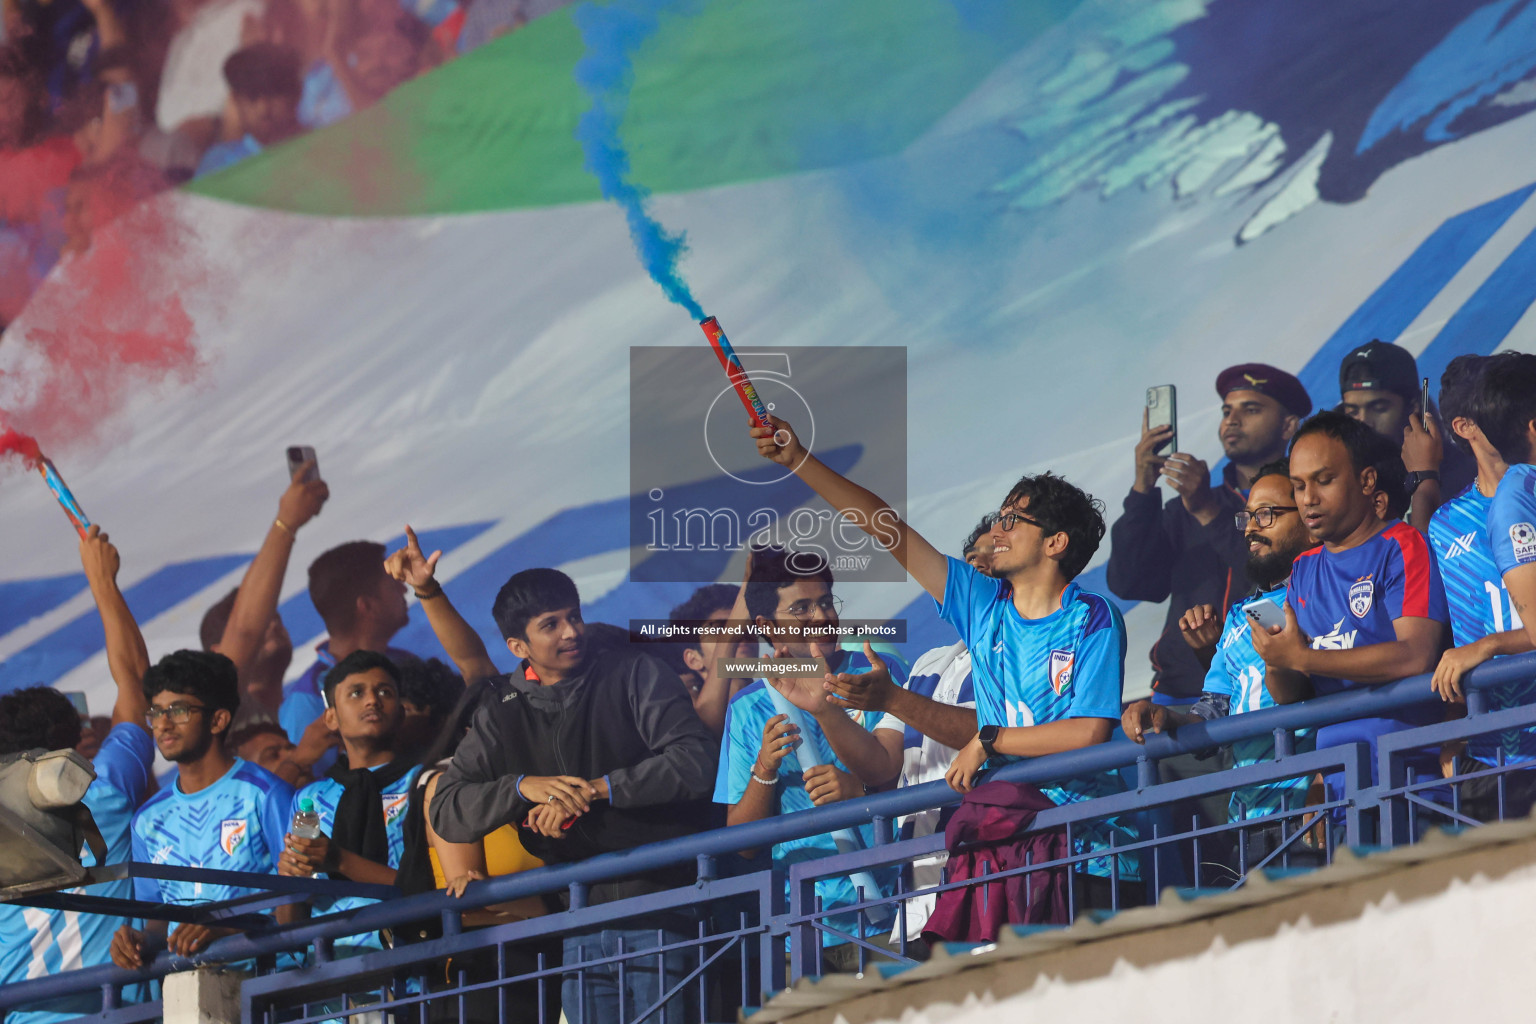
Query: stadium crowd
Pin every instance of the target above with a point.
(103, 103)
(1346, 548)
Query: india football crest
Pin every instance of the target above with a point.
(1061, 670)
(1360, 595)
(394, 806)
(233, 833)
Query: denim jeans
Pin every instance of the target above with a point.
(592, 997)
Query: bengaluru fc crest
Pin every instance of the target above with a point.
(1360, 595)
(1061, 670)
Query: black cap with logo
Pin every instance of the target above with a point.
(1380, 366)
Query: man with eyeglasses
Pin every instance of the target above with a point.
(787, 747)
(35, 943)
(1048, 657)
(221, 812)
(1236, 681)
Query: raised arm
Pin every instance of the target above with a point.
(256, 602)
(127, 657)
(865, 509)
(459, 639)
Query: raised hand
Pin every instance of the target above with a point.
(1148, 462)
(779, 444)
(302, 501)
(1200, 626)
(1191, 478)
(1422, 448)
(98, 557)
(866, 691)
(409, 565)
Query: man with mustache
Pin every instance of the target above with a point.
(1236, 680)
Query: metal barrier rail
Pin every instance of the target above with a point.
(880, 809)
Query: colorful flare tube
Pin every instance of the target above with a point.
(64, 495)
(732, 367)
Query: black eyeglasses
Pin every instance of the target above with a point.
(179, 713)
(1008, 520)
(830, 605)
(1263, 517)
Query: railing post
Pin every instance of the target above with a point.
(1146, 772)
(1360, 798)
(771, 951)
(578, 891)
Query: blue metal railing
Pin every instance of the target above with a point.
(797, 920)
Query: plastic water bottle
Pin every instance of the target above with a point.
(306, 820)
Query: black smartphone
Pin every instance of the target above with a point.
(1162, 411)
(298, 454)
(1424, 404)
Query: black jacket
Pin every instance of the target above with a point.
(1160, 552)
(624, 715)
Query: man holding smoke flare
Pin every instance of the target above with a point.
(1048, 657)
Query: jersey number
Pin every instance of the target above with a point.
(1497, 595)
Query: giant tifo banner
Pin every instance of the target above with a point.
(1047, 206)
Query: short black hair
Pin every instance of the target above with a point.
(351, 665)
(264, 69)
(980, 530)
(773, 569)
(1505, 405)
(1367, 450)
(1458, 392)
(216, 620)
(241, 734)
(209, 677)
(701, 604)
(1275, 467)
(37, 717)
(342, 575)
(430, 684)
(1061, 507)
(529, 594)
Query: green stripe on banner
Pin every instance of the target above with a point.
(740, 91)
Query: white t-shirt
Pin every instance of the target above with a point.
(942, 675)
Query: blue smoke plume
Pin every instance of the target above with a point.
(612, 33)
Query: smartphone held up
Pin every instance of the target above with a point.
(1162, 411)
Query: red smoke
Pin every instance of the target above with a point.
(107, 324)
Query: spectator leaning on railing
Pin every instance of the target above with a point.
(789, 748)
(1366, 606)
(1505, 410)
(35, 943)
(1236, 681)
(1484, 623)
(221, 812)
(590, 751)
(1048, 658)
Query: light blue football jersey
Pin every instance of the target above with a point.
(35, 943)
(326, 794)
(1069, 664)
(236, 824)
(745, 717)
(1237, 673)
(1479, 606)
(1512, 519)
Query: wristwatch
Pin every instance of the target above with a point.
(1417, 477)
(988, 736)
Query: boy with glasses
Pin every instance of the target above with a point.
(1048, 658)
(221, 813)
(786, 748)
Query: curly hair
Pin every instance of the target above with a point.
(1060, 507)
(37, 717)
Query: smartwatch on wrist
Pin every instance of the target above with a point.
(988, 736)
(1419, 476)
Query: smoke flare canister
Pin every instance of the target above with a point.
(64, 495)
(733, 369)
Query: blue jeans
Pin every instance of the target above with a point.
(592, 996)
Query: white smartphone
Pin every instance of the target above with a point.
(1162, 411)
(298, 454)
(1266, 614)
